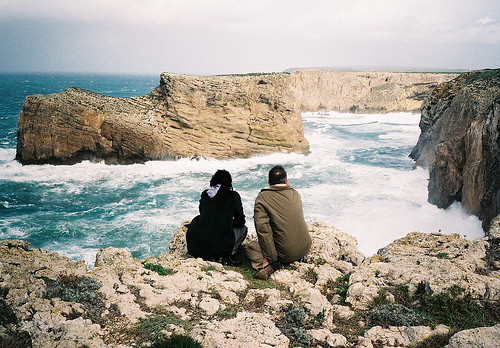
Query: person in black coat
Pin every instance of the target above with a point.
(217, 233)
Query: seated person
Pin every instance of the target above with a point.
(217, 233)
(282, 232)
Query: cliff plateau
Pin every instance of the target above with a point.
(335, 298)
(210, 116)
(459, 143)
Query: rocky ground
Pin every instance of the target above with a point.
(423, 290)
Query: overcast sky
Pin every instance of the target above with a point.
(239, 36)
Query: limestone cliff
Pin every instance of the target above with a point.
(364, 92)
(459, 142)
(184, 116)
(211, 116)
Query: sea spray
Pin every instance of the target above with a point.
(357, 177)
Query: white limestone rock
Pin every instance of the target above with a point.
(268, 298)
(49, 331)
(329, 245)
(252, 330)
(481, 337)
(402, 336)
(438, 260)
(209, 305)
(326, 336)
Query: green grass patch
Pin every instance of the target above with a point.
(248, 273)
(443, 256)
(342, 284)
(149, 329)
(454, 309)
(157, 268)
(177, 341)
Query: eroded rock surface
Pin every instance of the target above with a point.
(49, 301)
(429, 262)
(210, 116)
(459, 143)
(185, 116)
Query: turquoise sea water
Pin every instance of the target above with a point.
(357, 177)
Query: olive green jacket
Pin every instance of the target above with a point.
(280, 225)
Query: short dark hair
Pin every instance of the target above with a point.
(277, 175)
(223, 178)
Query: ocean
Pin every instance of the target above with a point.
(357, 177)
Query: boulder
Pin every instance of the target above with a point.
(481, 337)
(246, 330)
(402, 336)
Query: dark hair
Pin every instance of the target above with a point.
(223, 178)
(277, 175)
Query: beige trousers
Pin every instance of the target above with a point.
(254, 254)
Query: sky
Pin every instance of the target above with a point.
(209, 37)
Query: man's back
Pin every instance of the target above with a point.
(280, 224)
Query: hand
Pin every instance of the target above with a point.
(265, 263)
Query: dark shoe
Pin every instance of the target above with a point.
(231, 261)
(264, 273)
(234, 261)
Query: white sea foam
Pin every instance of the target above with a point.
(357, 177)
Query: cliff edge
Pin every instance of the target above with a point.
(209, 116)
(459, 143)
(423, 289)
(184, 116)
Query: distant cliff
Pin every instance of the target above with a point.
(364, 92)
(210, 116)
(459, 142)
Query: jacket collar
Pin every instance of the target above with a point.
(278, 187)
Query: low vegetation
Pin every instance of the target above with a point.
(157, 268)
(81, 289)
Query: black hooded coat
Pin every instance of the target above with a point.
(210, 235)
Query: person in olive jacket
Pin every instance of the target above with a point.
(279, 222)
(217, 233)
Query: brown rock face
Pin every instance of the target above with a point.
(364, 92)
(184, 116)
(211, 116)
(459, 143)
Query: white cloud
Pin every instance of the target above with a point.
(235, 35)
(351, 20)
(485, 20)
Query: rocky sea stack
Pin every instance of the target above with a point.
(459, 143)
(209, 116)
